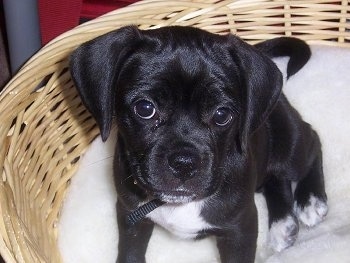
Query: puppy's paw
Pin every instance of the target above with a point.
(313, 212)
(283, 233)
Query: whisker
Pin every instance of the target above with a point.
(127, 178)
(101, 160)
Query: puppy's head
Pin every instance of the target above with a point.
(185, 102)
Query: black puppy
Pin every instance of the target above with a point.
(202, 125)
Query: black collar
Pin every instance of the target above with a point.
(143, 210)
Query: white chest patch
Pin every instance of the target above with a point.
(183, 220)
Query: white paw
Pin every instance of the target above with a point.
(313, 213)
(283, 233)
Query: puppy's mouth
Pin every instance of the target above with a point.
(180, 195)
(177, 193)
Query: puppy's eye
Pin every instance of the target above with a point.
(145, 109)
(222, 116)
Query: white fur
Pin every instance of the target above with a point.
(282, 233)
(313, 213)
(321, 92)
(183, 220)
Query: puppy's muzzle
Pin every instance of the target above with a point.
(184, 164)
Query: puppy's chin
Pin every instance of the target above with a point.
(176, 199)
(179, 194)
(182, 195)
(176, 196)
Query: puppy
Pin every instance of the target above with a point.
(202, 125)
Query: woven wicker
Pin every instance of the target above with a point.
(44, 129)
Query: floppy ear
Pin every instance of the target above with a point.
(261, 84)
(95, 67)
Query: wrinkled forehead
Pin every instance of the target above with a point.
(185, 73)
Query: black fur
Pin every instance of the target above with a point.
(195, 80)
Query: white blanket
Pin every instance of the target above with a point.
(321, 93)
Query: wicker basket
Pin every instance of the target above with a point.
(44, 129)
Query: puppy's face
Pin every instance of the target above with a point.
(185, 102)
(178, 115)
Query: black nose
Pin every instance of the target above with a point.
(184, 164)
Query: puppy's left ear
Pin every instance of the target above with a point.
(261, 86)
(95, 67)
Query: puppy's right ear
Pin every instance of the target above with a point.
(95, 67)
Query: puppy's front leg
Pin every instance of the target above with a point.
(133, 238)
(238, 245)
